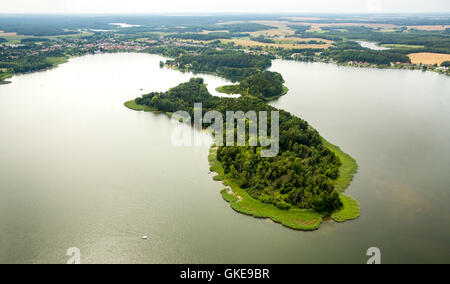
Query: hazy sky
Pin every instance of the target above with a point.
(245, 6)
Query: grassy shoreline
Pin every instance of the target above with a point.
(347, 171)
(242, 202)
(297, 219)
(4, 77)
(134, 106)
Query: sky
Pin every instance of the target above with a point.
(224, 6)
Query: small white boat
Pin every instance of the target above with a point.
(144, 237)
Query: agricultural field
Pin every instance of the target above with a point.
(13, 38)
(429, 58)
(2, 33)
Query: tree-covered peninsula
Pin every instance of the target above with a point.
(297, 188)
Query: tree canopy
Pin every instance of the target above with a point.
(262, 84)
(299, 177)
(233, 65)
(445, 64)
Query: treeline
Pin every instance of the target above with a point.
(369, 56)
(2, 40)
(174, 51)
(28, 64)
(232, 65)
(300, 30)
(301, 176)
(34, 40)
(263, 39)
(38, 30)
(300, 54)
(311, 42)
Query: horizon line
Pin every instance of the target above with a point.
(226, 13)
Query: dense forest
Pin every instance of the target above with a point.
(263, 39)
(28, 64)
(265, 85)
(233, 65)
(299, 177)
(174, 51)
(370, 56)
(34, 40)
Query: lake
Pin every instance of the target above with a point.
(372, 45)
(78, 169)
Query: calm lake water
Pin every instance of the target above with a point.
(78, 169)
